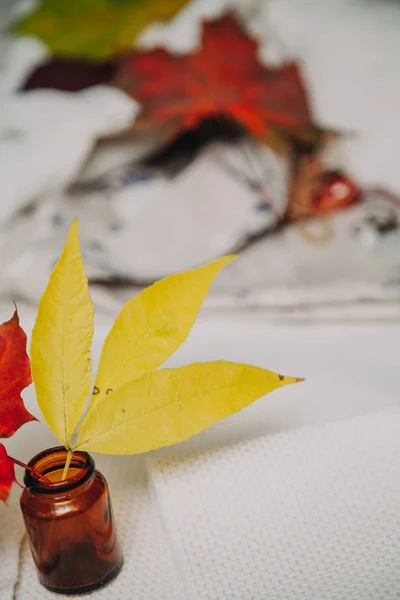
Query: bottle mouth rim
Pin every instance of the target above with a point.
(54, 459)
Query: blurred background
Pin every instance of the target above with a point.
(178, 131)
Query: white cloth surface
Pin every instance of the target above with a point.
(351, 394)
(304, 515)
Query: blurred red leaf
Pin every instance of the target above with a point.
(7, 474)
(223, 77)
(15, 375)
(69, 75)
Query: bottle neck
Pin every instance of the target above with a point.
(51, 463)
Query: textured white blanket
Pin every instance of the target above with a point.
(306, 515)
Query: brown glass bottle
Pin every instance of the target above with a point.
(70, 524)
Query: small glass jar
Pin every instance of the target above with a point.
(70, 524)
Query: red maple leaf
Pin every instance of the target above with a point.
(223, 77)
(15, 375)
(7, 474)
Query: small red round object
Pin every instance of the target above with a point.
(334, 191)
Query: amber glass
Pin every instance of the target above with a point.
(70, 524)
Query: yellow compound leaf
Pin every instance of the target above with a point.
(134, 407)
(170, 405)
(61, 340)
(151, 326)
(93, 28)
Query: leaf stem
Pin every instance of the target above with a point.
(67, 464)
(30, 469)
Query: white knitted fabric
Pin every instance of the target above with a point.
(311, 514)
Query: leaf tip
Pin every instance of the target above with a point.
(221, 262)
(15, 316)
(72, 243)
(74, 226)
(230, 257)
(286, 380)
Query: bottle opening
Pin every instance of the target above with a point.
(51, 463)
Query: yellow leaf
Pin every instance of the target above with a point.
(93, 28)
(168, 406)
(61, 339)
(151, 326)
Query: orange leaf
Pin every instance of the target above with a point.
(223, 77)
(7, 474)
(15, 375)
